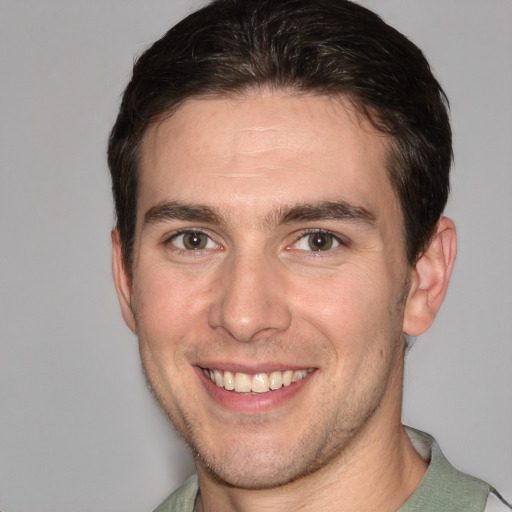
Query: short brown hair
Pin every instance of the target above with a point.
(332, 47)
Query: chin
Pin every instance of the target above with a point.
(250, 477)
(254, 468)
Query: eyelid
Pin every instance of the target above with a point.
(168, 240)
(311, 231)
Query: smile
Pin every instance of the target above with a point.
(256, 383)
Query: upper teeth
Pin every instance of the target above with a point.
(257, 383)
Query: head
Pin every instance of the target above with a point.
(279, 170)
(334, 48)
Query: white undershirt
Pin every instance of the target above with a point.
(494, 504)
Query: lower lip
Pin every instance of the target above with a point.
(254, 402)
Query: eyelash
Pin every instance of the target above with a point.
(302, 234)
(168, 242)
(315, 253)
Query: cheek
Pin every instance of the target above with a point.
(170, 306)
(355, 311)
(171, 314)
(350, 299)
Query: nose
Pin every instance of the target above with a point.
(251, 299)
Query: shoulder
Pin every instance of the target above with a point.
(445, 488)
(182, 499)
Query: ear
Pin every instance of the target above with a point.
(430, 278)
(122, 280)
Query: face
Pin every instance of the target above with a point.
(269, 282)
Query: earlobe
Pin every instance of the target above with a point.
(122, 280)
(430, 279)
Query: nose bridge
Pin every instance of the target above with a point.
(251, 297)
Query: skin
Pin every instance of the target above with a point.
(258, 298)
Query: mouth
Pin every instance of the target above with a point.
(257, 383)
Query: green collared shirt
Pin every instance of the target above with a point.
(443, 488)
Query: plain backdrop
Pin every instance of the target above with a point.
(79, 431)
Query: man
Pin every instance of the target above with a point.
(280, 169)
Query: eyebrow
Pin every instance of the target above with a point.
(327, 210)
(175, 210)
(322, 210)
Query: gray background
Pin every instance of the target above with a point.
(78, 428)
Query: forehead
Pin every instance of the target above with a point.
(263, 149)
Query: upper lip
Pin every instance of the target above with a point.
(252, 369)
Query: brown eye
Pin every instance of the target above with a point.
(195, 240)
(317, 241)
(320, 241)
(192, 241)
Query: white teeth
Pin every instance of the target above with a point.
(218, 378)
(229, 381)
(257, 383)
(287, 377)
(260, 383)
(275, 380)
(243, 383)
(298, 375)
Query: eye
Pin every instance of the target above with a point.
(317, 241)
(192, 241)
